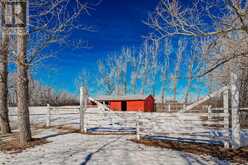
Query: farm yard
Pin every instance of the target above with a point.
(129, 82)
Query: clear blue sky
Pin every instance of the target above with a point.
(118, 23)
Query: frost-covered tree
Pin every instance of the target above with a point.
(164, 67)
(178, 63)
(50, 24)
(221, 27)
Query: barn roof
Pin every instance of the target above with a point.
(129, 97)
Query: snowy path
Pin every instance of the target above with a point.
(78, 149)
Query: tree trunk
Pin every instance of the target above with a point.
(22, 88)
(186, 98)
(162, 96)
(133, 84)
(4, 118)
(175, 87)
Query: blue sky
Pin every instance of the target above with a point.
(118, 23)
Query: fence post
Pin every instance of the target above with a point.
(109, 116)
(184, 107)
(48, 123)
(209, 112)
(83, 106)
(235, 112)
(226, 118)
(169, 107)
(138, 125)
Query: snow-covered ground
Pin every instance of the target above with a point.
(75, 148)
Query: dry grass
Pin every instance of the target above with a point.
(10, 142)
(12, 145)
(244, 125)
(235, 156)
(40, 126)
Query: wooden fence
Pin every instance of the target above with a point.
(200, 127)
(207, 127)
(212, 126)
(61, 112)
(186, 126)
(49, 115)
(111, 121)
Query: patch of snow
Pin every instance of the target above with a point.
(75, 148)
(244, 137)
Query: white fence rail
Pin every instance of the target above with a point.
(197, 126)
(194, 126)
(110, 121)
(49, 115)
(60, 112)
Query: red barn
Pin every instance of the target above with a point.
(129, 103)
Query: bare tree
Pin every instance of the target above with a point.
(105, 81)
(135, 66)
(83, 79)
(167, 49)
(228, 49)
(189, 81)
(124, 62)
(179, 57)
(154, 64)
(121, 72)
(22, 83)
(200, 20)
(113, 72)
(40, 94)
(88, 79)
(221, 25)
(193, 66)
(4, 118)
(149, 67)
(50, 23)
(144, 69)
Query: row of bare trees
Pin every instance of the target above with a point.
(156, 68)
(50, 23)
(40, 95)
